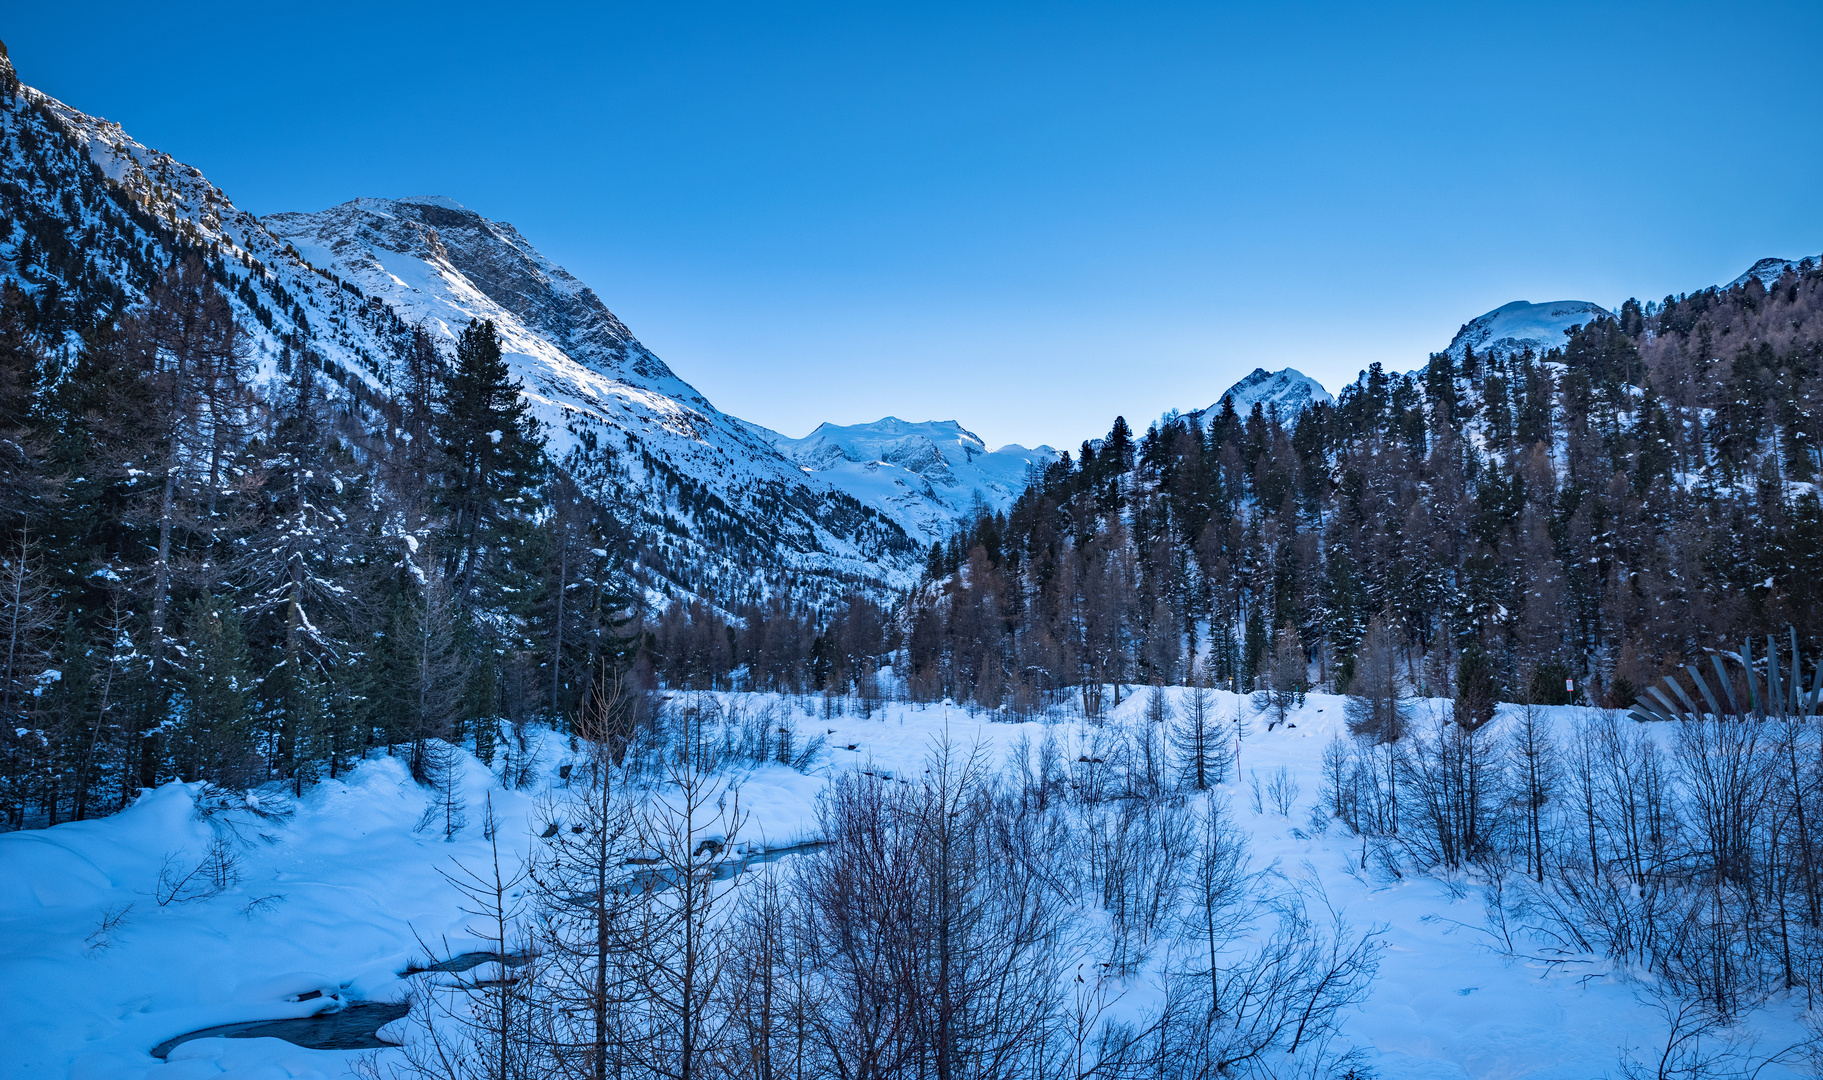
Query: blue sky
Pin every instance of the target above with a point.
(1024, 218)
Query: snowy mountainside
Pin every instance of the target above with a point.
(90, 217)
(925, 476)
(1513, 327)
(1771, 270)
(440, 264)
(600, 393)
(98, 215)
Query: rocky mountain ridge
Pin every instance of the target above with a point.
(94, 216)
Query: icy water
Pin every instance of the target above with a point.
(660, 879)
(467, 960)
(352, 1028)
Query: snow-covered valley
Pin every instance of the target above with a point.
(330, 906)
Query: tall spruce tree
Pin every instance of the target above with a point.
(494, 460)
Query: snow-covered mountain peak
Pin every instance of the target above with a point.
(440, 264)
(1770, 270)
(1288, 389)
(873, 441)
(1513, 327)
(925, 475)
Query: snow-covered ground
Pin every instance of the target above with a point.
(338, 899)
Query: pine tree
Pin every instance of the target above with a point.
(214, 732)
(1477, 690)
(493, 462)
(304, 546)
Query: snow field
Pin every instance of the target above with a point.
(338, 898)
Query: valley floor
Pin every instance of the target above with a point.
(345, 895)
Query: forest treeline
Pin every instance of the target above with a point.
(1545, 529)
(1555, 528)
(209, 576)
(209, 579)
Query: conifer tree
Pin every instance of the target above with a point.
(493, 461)
(213, 738)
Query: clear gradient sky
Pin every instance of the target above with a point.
(1025, 218)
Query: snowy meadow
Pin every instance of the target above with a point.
(1103, 916)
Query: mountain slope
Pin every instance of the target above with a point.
(616, 414)
(926, 476)
(91, 217)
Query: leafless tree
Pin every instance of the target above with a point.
(440, 666)
(1202, 744)
(1453, 788)
(588, 899)
(936, 928)
(25, 617)
(1378, 709)
(1271, 1010)
(686, 830)
(1538, 776)
(1286, 679)
(488, 1022)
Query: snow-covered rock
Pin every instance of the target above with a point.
(1770, 270)
(1520, 325)
(925, 476)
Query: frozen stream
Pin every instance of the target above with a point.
(350, 1028)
